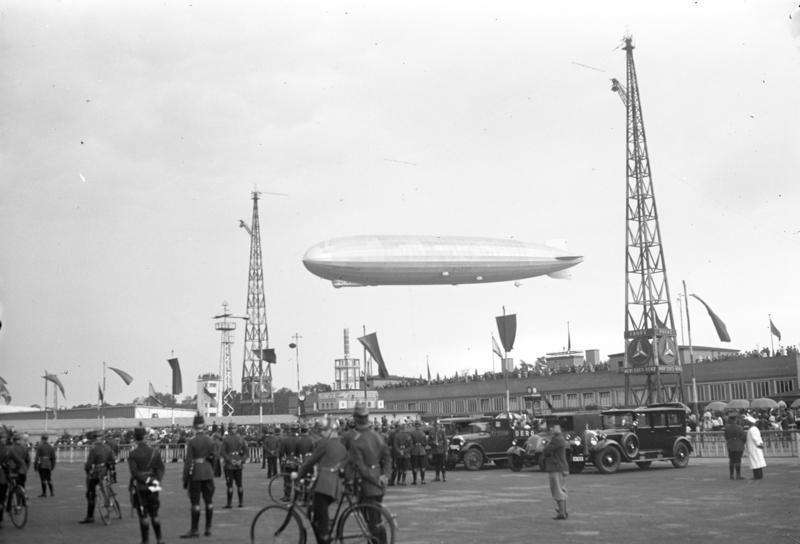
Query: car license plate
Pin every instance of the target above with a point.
(577, 458)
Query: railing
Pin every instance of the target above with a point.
(170, 453)
(776, 443)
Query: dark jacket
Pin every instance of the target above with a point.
(99, 460)
(555, 454)
(371, 459)
(234, 451)
(735, 437)
(271, 445)
(418, 442)
(329, 455)
(438, 441)
(45, 456)
(145, 462)
(402, 445)
(200, 457)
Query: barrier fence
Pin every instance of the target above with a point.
(708, 444)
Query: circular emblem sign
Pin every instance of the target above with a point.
(639, 351)
(667, 350)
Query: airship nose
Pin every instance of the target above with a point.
(315, 256)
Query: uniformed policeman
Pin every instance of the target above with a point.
(419, 453)
(305, 444)
(402, 452)
(147, 471)
(234, 452)
(271, 447)
(372, 463)
(438, 442)
(329, 456)
(198, 476)
(44, 464)
(288, 455)
(98, 462)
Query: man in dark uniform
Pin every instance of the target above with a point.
(372, 462)
(3, 478)
(97, 464)
(402, 452)
(198, 476)
(390, 443)
(44, 464)
(288, 455)
(438, 441)
(305, 444)
(555, 463)
(330, 456)
(271, 447)
(147, 471)
(419, 455)
(234, 452)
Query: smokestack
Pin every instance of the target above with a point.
(347, 343)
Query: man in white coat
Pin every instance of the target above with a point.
(754, 448)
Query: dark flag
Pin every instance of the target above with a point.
(496, 348)
(153, 395)
(127, 378)
(370, 343)
(177, 381)
(722, 330)
(209, 394)
(774, 330)
(507, 328)
(4, 392)
(429, 373)
(267, 355)
(53, 378)
(100, 399)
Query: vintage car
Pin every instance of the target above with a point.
(526, 450)
(656, 432)
(478, 440)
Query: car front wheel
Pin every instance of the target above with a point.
(473, 459)
(681, 459)
(607, 461)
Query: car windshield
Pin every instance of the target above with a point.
(617, 420)
(478, 427)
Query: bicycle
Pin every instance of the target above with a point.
(108, 503)
(17, 503)
(353, 521)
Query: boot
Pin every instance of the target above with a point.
(209, 515)
(89, 512)
(738, 468)
(414, 474)
(157, 530)
(50, 485)
(730, 469)
(144, 528)
(193, 533)
(422, 477)
(230, 497)
(561, 509)
(240, 492)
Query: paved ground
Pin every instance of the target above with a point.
(696, 504)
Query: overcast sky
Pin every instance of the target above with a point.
(134, 133)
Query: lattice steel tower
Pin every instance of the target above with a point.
(226, 329)
(256, 372)
(650, 347)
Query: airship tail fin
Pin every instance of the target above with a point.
(561, 275)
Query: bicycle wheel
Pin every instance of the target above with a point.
(366, 522)
(277, 524)
(19, 507)
(115, 508)
(103, 504)
(275, 488)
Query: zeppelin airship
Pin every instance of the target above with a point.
(358, 261)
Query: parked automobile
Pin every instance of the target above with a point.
(527, 447)
(656, 432)
(476, 441)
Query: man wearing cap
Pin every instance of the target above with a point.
(305, 444)
(44, 464)
(735, 439)
(271, 446)
(147, 471)
(402, 453)
(555, 463)
(97, 462)
(329, 456)
(754, 448)
(288, 455)
(438, 443)
(234, 452)
(419, 455)
(370, 459)
(198, 476)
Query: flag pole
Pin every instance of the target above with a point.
(771, 345)
(691, 352)
(45, 403)
(505, 373)
(364, 348)
(102, 406)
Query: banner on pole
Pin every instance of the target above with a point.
(507, 328)
(177, 381)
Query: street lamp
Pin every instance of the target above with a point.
(301, 397)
